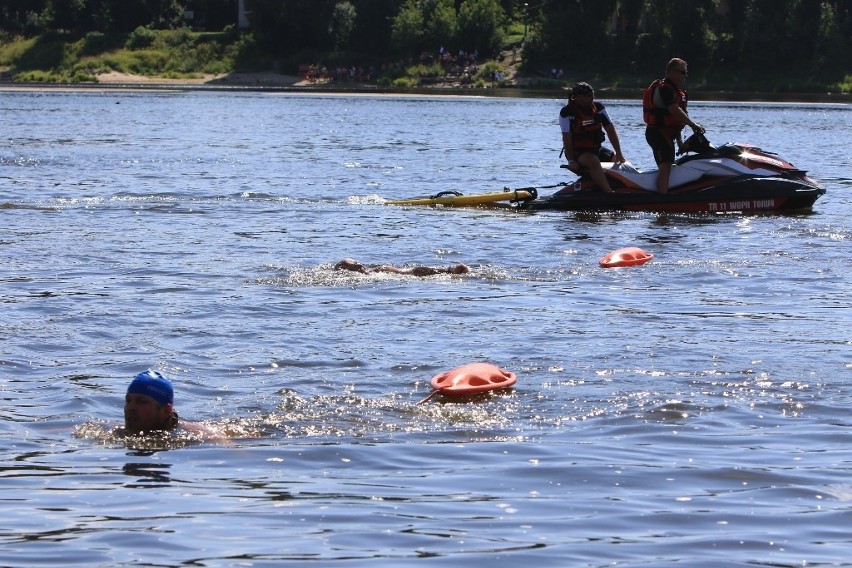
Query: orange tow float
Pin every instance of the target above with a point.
(629, 256)
(470, 379)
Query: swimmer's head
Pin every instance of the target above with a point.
(148, 404)
(153, 384)
(350, 264)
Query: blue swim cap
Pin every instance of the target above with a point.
(153, 384)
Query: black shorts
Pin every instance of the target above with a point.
(603, 153)
(662, 145)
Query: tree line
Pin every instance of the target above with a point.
(601, 38)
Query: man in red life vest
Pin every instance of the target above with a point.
(664, 112)
(583, 122)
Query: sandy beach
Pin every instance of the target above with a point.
(233, 79)
(292, 83)
(115, 80)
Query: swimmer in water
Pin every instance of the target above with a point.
(355, 266)
(149, 407)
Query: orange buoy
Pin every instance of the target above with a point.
(629, 256)
(471, 379)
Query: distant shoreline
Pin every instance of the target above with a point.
(277, 83)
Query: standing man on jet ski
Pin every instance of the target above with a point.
(583, 122)
(664, 111)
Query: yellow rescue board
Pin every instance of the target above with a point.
(452, 199)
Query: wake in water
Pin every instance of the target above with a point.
(109, 434)
(328, 275)
(325, 275)
(332, 418)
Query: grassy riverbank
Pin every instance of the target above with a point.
(230, 58)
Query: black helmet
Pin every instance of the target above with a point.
(582, 89)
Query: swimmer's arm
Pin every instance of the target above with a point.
(203, 432)
(425, 271)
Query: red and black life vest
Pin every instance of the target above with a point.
(661, 117)
(586, 127)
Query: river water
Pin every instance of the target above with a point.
(692, 411)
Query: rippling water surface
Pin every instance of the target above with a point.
(692, 411)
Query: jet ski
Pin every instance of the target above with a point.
(735, 177)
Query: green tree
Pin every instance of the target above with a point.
(23, 16)
(165, 14)
(833, 49)
(342, 23)
(765, 44)
(575, 34)
(80, 16)
(808, 15)
(67, 15)
(730, 29)
(213, 15)
(424, 26)
(372, 33)
(287, 26)
(685, 26)
(481, 24)
(628, 14)
(125, 15)
(441, 24)
(407, 32)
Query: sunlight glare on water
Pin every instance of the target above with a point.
(690, 411)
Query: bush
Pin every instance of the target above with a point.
(487, 71)
(177, 38)
(36, 76)
(12, 49)
(81, 76)
(404, 82)
(421, 70)
(97, 42)
(141, 38)
(844, 86)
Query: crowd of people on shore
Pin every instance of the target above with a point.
(463, 63)
(463, 66)
(318, 73)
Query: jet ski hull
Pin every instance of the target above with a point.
(736, 177)
(745, 195)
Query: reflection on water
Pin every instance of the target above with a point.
(147, 475)
(110, 435)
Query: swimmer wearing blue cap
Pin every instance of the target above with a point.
(149, 404)
(149, 407)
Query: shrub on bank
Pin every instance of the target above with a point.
(844, 86)
(62, 58)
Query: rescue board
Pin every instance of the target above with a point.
(456, 199)
(473, 378)
(629, 256)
